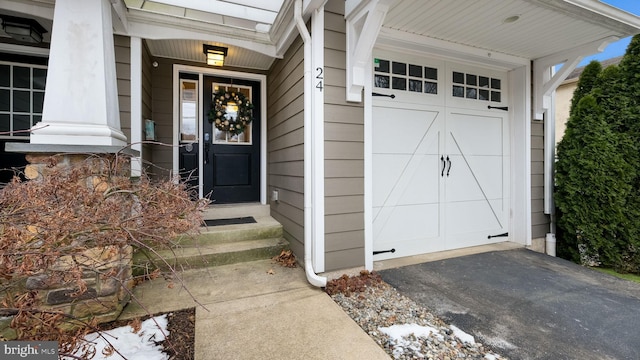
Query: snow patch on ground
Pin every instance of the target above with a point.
(463, 336)
(397, 332)
(133, 346)
(400, 336)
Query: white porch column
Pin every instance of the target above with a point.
(81, 100)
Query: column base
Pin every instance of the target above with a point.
(77, 134)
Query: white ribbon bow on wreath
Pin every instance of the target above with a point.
(222, 119)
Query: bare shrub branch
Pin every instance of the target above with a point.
(49, 226)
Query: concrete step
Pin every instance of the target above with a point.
(227, 211)
(264, 228)
(218, 245)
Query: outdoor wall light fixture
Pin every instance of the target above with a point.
(22, 29)
(215, 54)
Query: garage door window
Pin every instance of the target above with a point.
(477, 87)
(415, 78)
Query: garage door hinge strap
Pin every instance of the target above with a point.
(378, 94)
(505, 108)
(384, 251)
(499, 235)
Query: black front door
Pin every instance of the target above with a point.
(231, 163)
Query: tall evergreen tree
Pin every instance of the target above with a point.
(629, 115)
(630, 75)
(593, 182)
(586, 82)
(598, 168)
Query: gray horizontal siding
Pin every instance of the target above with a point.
(162, 114)
(285, 143)
(344, 152)
(539, 220)
(122, 50)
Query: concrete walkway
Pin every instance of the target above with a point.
(259, 310)
(527, 305)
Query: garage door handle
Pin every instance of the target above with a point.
(378, 94)
(449, 169)
(444, 165)
(504, 108)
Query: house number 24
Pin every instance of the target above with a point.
(320, 77)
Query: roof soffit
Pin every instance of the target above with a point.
(543, 27)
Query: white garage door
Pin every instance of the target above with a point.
(440, 156)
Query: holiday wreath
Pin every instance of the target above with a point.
(224, 121)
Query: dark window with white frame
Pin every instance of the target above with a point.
(476, 87)
(401, 76)
(21, 97)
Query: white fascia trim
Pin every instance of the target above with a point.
(30, 7)
(224, 9)
(363, 26)
(136, 104)
(284, 30)
(544, 84)
(354, 6)
(283, 42)
(309, 6)
(158, 27)
(119, 15)
(424, 45)
(24, 50)
(600, 13)
(262, 79)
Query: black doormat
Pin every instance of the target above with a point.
(231, 221)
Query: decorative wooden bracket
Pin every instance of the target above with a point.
(364, 20)
(545, 81)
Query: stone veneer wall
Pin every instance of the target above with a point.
(107, 271)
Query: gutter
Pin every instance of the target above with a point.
(309, 238)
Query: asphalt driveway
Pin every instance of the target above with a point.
(527, 305)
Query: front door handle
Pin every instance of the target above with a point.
(449, 169)
(207, 145)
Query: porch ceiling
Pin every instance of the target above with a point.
(541, 27)
(258, 31)
(248, 22)
(528, 29)
(250, 15)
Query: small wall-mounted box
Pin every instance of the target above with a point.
(275, 195)
(150, 130)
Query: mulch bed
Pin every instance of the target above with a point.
(179, 345)
(182, 334)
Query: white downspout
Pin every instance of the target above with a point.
(549, 174)
(312, 277)
(317, 132)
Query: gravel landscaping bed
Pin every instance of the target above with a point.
(404, 329)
